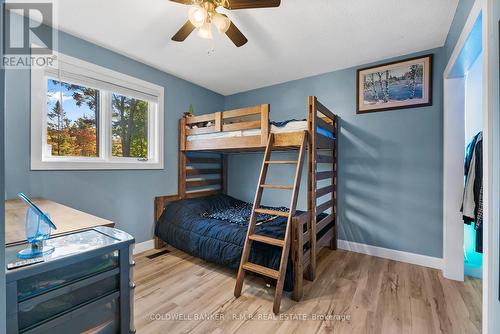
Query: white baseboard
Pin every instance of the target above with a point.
(391, 254)
(144, 246)
(385, 253)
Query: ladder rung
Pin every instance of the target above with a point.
(272, 186)
(261, 270)
(267, 240)
(272, 212)
(290, 162)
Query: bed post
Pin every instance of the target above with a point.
(311, 187)
(333, 243)
(158, 209)
(182, 134)
(298, 257)
(264, 123)
(224, 165)
(218, 121)
(182, 158)
(159, 206)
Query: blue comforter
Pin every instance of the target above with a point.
(185, 226)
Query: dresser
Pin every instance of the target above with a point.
(84, 286)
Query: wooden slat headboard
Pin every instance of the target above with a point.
(201, 175)
(198, 176)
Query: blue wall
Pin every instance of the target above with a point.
(125, 197)
(390, 163)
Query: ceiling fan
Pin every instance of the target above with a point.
(204, 12)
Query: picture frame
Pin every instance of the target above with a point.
(396, 85)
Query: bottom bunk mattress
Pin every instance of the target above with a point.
(213, 228)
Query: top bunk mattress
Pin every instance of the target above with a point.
(276, 127)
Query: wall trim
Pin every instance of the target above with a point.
(391, 254)
(453, 176)
(142, 247)
(491, 163)
(351, 246)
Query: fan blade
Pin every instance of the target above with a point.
(236, 36)
(184, 2)
(183, 32)
(248, 4)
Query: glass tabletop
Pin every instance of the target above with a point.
(66, 245)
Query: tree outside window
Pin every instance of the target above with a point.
(72, 114)
(129, 127)
(72, 122)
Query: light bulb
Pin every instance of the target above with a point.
(197, 16)
(221, 22)
(205, 31)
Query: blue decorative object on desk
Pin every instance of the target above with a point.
(38, 227)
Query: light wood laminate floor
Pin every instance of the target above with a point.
(353, 293)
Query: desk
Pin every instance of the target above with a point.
(67, 219)
(85, 286)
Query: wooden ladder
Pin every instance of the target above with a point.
(284, 244)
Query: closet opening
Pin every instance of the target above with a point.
(463, 166)
(472, 210)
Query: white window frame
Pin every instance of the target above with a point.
(108, 82)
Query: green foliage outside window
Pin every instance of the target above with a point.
(73, 126)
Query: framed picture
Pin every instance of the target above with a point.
(397, 85)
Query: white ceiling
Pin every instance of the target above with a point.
(299, 39)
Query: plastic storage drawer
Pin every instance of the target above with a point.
(36, 285)
(40, 309)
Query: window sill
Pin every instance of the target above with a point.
(104, 165)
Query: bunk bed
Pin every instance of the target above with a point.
(180, 220)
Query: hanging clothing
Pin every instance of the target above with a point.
(479, 239)
(470, 150)
(472, 200)
(469, 205)
(478, 179)
(479, 220)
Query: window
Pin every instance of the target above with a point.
(87, 117)
(130, 127)
(72, 114)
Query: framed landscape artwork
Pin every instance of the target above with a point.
(397, 85)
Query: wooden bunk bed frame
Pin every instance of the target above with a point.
(306, 228)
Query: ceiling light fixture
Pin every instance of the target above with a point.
(221, 22)
(205, 31)
(203, 13)
(197, 16)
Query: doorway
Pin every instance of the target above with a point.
(463, 121)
